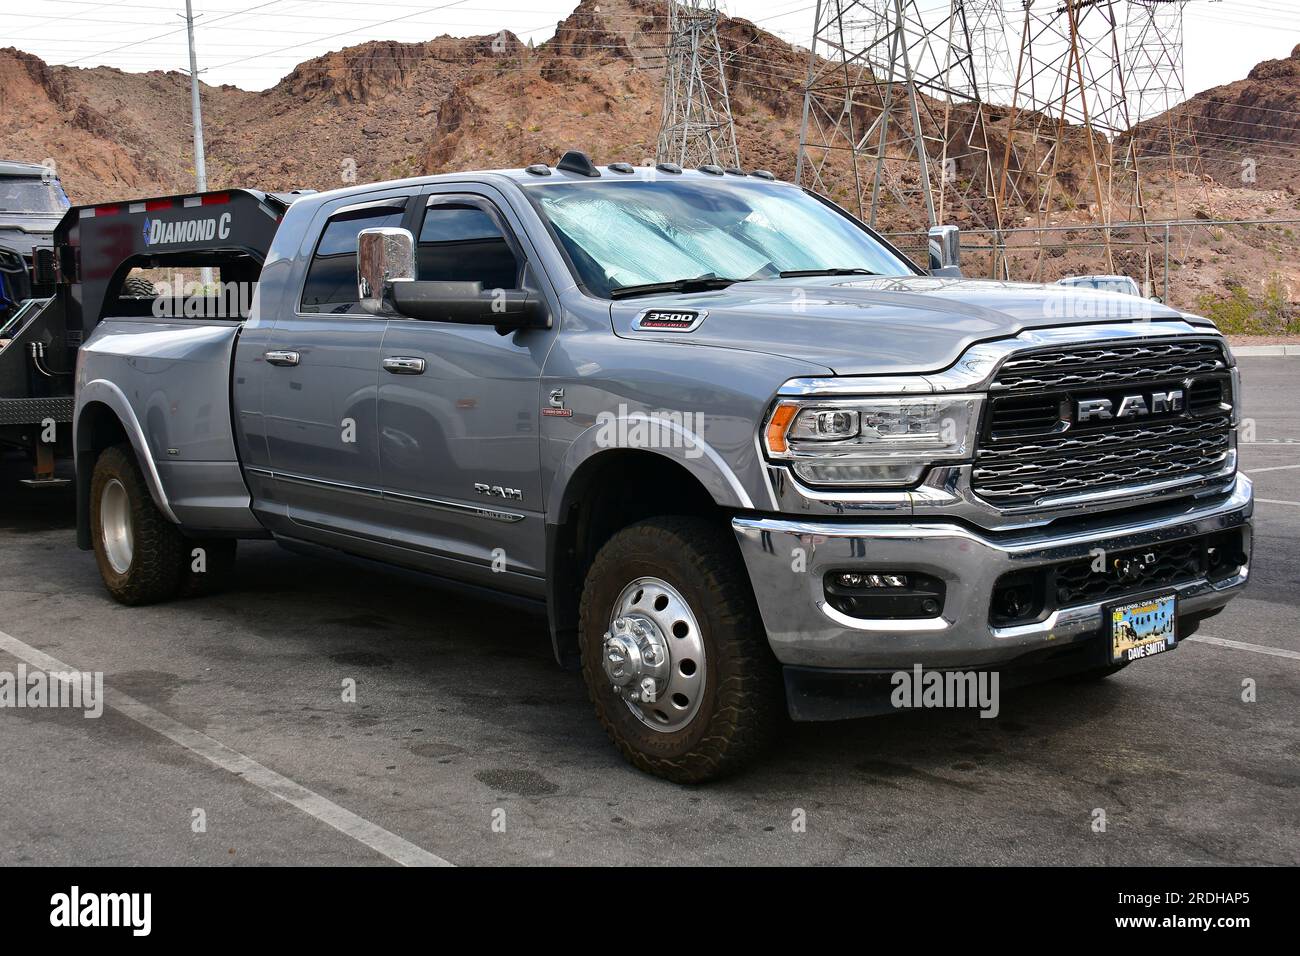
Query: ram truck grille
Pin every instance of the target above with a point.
(1066, 422)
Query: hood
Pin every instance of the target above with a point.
(880, 325)
(21, 231)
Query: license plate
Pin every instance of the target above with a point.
(1143, 628)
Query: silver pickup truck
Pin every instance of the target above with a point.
(749, 458)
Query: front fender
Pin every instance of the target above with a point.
(674, 439)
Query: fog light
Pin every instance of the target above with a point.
(884, 596)
(850, 579)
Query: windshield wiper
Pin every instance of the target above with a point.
(698, 284)
(800, 273)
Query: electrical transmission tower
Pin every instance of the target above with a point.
(893, 121)
(1070, 116)
(697, 126)
(1154, 77)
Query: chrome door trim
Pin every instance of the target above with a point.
(404, 365)
(282, 357)
(492, 514)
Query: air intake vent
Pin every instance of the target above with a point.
(1025, 414)
(1205, 396)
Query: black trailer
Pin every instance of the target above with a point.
(86, 276)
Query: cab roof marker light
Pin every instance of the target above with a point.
(735, 171)
(668, 167)
(622, 167)
(538, 169)
(711, 169)
(763, 174)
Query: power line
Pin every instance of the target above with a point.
(169, 33)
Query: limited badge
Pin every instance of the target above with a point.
(669, 320)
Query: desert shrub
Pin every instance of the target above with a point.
(1267, 311)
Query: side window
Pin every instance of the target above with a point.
(461, 242)
(331, 284)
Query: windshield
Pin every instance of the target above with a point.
(635, 232)
(31, 194)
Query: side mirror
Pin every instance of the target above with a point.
(386, 286)
(385, 257)
(945, 252)
(468, 303)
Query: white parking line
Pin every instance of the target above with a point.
(1277, 501)
(1256, 471)
(345, 821)
(1243, 646)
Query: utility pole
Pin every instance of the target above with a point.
(196, 110)
(200, 164)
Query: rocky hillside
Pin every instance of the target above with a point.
(385, 109)
(1251, 128)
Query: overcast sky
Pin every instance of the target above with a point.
(253, 43)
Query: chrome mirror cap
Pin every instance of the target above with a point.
(945, 251)
(384, 255)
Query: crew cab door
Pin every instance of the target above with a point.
(319, 398)
(459, 405)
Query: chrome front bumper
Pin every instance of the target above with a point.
(788, 560)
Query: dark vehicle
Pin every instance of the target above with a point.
(32, 202)
(35, 397)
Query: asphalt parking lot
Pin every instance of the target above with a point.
(466, 744)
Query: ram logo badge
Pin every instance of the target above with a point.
(496, 491)
(1130, 406)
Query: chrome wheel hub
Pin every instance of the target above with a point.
(115, 526)
(653, 654)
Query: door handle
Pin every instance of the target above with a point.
(404, 365)
(281, 357)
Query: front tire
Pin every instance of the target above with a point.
(141, 555)
(668, 601)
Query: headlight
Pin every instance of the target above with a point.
(872, 441)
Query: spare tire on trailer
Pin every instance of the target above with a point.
(137, 287)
